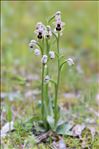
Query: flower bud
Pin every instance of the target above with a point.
(70, 61)
(33, 41)
(58, 16)
(31, 45)
(52, 54)
(46, 79)
(44, 59)
(58, 13)
(48, 32)
(37, 52)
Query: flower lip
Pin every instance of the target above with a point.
(39, 36)
(58, 28)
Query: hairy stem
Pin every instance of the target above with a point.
(42, 93)
(47, 71)
(44, 88)
(42, 84)
(57, 85)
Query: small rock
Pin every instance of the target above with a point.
(77, 130)
(9, 126)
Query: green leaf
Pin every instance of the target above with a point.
(9, 113)
(33, 119)
(50, 108)
(50, 19)
(51, 122)
(64, 129)
(19, 79)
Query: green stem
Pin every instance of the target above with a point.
(42, 84)
(57, 85)
(44, 89)
(42, 92)
(47, 72)
(62, 64)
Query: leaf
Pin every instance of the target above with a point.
(9, 113)
(19, 79)
(50, 108)
(33, 119)
(50, 120)
(64, 129)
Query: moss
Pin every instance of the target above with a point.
(87, 137)
(73, 142)
(95, 144)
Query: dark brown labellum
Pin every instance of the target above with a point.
(39, 36)
(31, 47)
(58, 28)
(48, 36)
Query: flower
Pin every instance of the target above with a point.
(70, 61)
(48, 32)
(58, 23)
(52, 54)
(37, 52)
(44, 59)
(58, 13)
(46, 79)
(32, 43)
(40, 30)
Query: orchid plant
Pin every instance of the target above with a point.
(42, 47)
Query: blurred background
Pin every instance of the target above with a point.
(21, 70)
